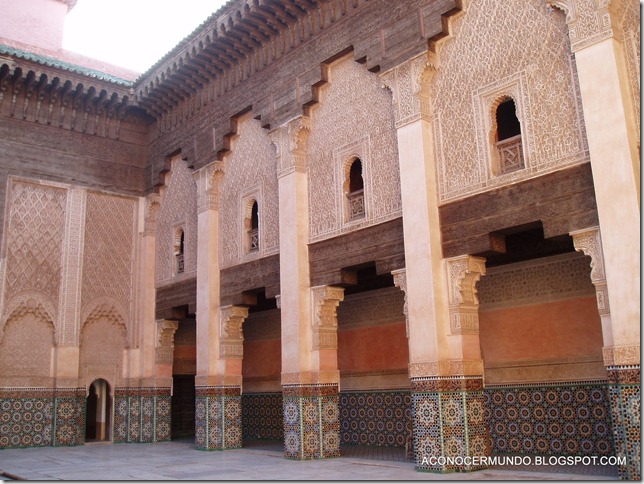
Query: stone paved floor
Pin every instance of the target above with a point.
(179, 460)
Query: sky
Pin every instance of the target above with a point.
(133, 34)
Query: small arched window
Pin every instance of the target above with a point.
(253, 231)
(509, 148)
(179, 247)
(355, 191)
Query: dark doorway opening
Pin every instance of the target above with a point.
(98, 413)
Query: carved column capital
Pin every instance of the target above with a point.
(400, 281)
(290, 141)
(589, 242)
(408, 83)
(166, 328)
(208, 180)
(231, 337)
(152, 205)
(463, 272)
(589, 21)
(324, 302)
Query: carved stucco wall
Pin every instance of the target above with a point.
(109, 255)
(354, 118)
(69, 254)
(103, 339)
(629, 22)
(35, 230)
(537, 281)
(520, 49)
(251, 174)
(25, 350)
(178, 209)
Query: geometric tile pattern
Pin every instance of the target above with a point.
(554, 419)
(142, 415)
(39, 417)
(625, 405)
(262, 416)
(375, 418)
(448, 424)
(218, 418)
(311, 421)
(69, 423)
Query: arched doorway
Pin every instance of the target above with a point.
(98, 415)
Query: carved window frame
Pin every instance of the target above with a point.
(486, 101)
(345, 156)
(247, 200)
(178, 252)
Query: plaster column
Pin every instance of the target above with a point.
(218, 380)
(596, 39)
(146, 299)
(310, 375)
(445, 366)
(622, 363)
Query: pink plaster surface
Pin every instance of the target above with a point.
(545, 331)
(262, 358)
(373, 348)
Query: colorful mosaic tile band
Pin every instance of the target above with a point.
(450, 424)
(571, 419)
(262, 416)
(625, 404)
(375, 418)
(218, 418)
(41, 417)
(311, 422)
(142, 415)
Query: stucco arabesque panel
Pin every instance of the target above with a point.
(524, 45)
(109, 255)
(250, 169)
(541, 280)
(34, 243)
(178, 209)
(354, 117)
(30, 267)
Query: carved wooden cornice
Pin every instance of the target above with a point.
(246, 36)
(79, 101)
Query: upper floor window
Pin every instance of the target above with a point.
(355, 191)
(179, 248)
(253, 228)
(509, 148)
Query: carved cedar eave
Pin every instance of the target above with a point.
(64, 99)
(232, 36)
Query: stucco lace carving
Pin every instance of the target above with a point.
(409, 84)
(354, 110)
(324, 303)
(527, 40)
(231, 337)
(250, 167)
(400, 281)
(178, 207)
(463, 273)
(589, 242)
(165, 340)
